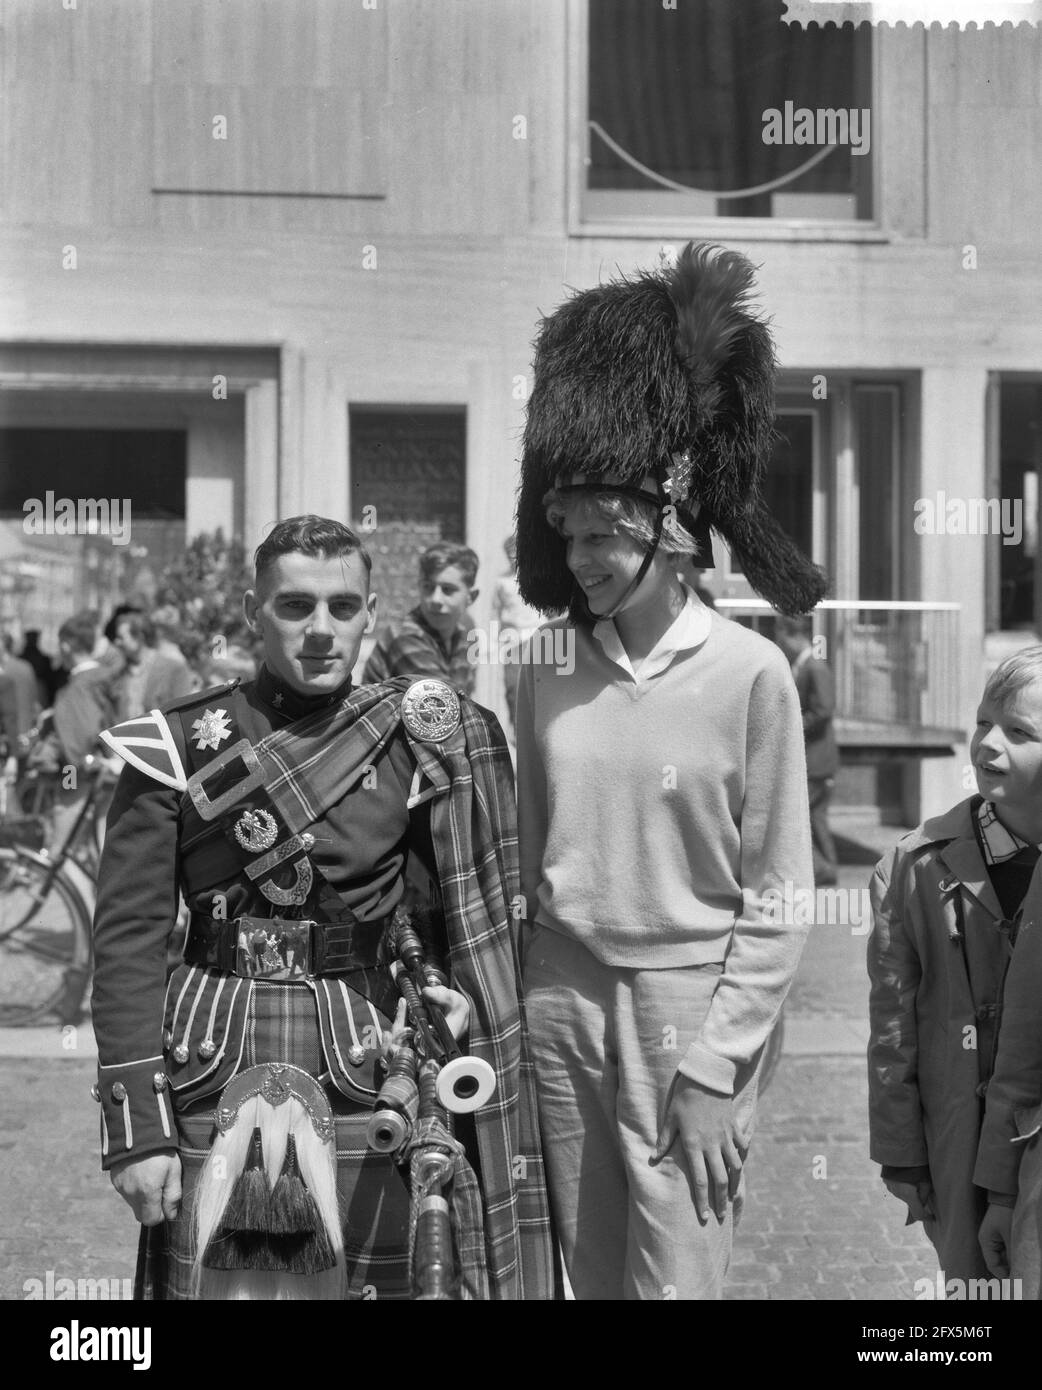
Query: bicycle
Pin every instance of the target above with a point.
(45, 915)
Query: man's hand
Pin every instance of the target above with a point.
(151, 1186)
(700, 1124)
(917, 1197)
(994, 1236)
(453, 1005)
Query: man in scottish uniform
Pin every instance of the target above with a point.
(236, 1092)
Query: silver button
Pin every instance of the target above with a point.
(119, 1092)
(159, 1081)
(356, 1055)
(95, 1091)
(181, 1053)
(307, 840)
(207, 1049)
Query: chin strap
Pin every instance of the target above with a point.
(581, 606)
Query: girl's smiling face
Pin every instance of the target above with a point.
(603, 559)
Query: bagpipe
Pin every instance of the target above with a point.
(429, 1078)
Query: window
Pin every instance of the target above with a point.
(717, 109)
(791, 492)
(877, 440)
(408, 477)
(1011, 508)
(87, 517)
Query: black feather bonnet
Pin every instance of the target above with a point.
(636, 373)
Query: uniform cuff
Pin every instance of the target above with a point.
(137, 1116)
(713, 1072)
(919, 1172)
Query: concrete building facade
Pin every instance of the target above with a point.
(313, 238)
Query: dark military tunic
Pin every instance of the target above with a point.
(168, 1043)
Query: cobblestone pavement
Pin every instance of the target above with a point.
(58, 1211)
(818, 1223)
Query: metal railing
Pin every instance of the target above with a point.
(895, 662)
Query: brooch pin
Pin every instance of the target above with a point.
(211, 729)
(678, 476)
(296, 895)
(430, 710)
(256, 830)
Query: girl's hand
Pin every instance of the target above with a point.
(700, 1128)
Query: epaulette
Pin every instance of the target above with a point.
(147, 743)
(202, 697)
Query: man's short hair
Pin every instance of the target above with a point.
(317, 536)
(140, 624)
(445, 553)
(1012, 675)
(80, 632)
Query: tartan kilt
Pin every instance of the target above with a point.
(374, 1195)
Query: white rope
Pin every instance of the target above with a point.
(661, 179)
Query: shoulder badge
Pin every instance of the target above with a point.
(202, 697)
(211, 729)
(431, 710)
(148, 744)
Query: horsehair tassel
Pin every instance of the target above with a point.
(245, 1221)
(249, 1206)
(292, 1211)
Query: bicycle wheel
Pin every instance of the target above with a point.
(45, 941)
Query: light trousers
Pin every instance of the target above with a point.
(606, 1042)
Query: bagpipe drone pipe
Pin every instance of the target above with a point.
(429, 1078)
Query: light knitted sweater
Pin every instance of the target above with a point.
(654, 815)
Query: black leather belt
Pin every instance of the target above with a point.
(277, 948)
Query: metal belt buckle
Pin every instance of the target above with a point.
(210, 809)
(277, 950)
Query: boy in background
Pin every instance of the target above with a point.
(946, 901)
(431, 640)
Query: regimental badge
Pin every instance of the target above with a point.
(256, 830)
(211, 729)
(678, 476)
(430, 710)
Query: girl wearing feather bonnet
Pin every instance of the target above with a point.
(662, 792)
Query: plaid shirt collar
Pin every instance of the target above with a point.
(448, 645)
(999, 844)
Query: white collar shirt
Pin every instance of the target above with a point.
(688, 630)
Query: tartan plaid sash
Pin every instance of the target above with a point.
(308, 767)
